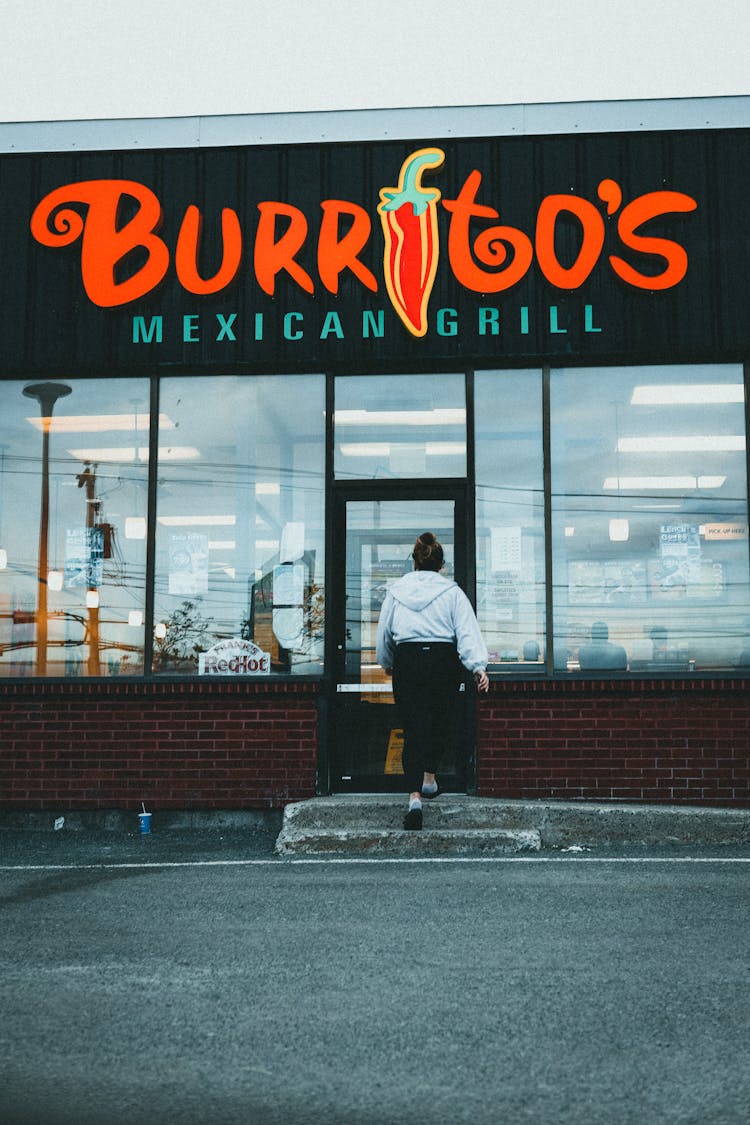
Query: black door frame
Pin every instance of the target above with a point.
(444, 488)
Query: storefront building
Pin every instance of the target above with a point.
(245, 361)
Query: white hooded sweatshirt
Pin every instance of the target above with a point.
(424, 606)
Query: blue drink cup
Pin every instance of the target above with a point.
(144, 822)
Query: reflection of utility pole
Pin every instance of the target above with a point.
(87, 480)
(46, 395)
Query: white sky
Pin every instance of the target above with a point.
(154, 58)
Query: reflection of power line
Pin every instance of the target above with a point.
(59, 466)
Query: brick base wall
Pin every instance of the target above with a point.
(174, 746)
(234, 746)
(682, 742)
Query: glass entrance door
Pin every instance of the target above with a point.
(375, 536)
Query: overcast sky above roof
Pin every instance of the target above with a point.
(162, 58)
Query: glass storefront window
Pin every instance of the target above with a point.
(408, 426)
(648, 515)
(240, 525)
(650, 522)
(510, 518)
(73, 518)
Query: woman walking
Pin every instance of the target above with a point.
(427, 631)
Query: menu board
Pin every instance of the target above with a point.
(606, 583)
(635, 581)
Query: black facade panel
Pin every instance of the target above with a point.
(50, 325)
(16, 188)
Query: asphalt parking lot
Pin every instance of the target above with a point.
(196, 977)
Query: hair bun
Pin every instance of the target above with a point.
(427, 553)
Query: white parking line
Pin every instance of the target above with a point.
(308, 861)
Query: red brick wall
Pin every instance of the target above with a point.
(174, 746)
(234, 746)
(681, 742)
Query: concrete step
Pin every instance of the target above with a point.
(457, 824)
(503, 841)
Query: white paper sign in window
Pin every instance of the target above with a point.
(234, 657)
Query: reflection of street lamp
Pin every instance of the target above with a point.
(46, 395)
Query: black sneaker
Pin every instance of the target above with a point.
(413, 820)
(431, 796)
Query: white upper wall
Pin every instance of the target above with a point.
(135, 59)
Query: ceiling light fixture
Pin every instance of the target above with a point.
(386, 449)
(197, 521)
(127, 454)
(687, 394)
(687, 443)
(682, 483)
(100, 423)
(441, 416)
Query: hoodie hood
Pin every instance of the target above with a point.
(419, 588)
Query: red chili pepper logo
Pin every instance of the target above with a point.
(409, 217)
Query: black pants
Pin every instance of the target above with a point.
(426, 681)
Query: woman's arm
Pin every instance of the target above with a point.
(472, 651)
(384, 648)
